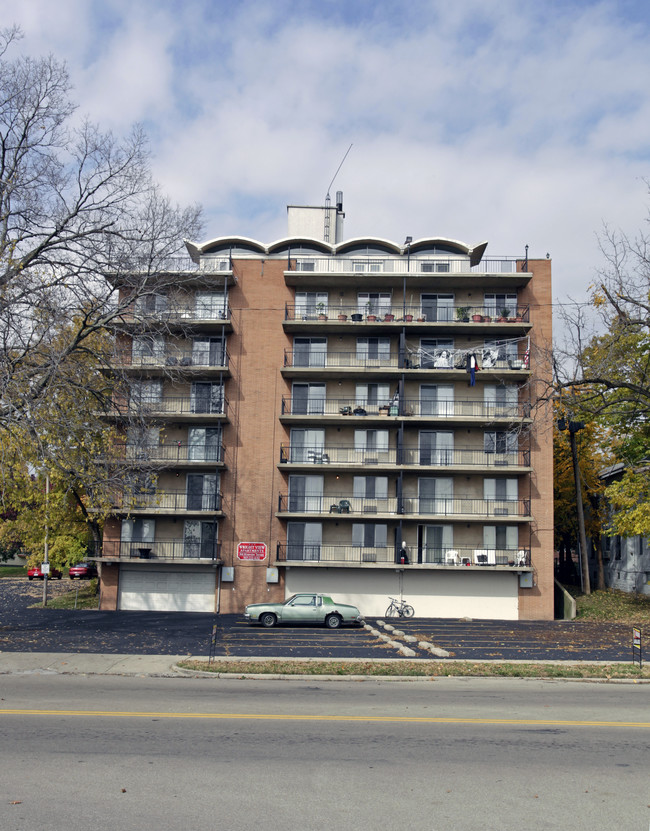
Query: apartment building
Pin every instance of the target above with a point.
(356, 417)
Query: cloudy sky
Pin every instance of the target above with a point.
(517, 122)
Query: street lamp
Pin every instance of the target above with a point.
(573, 427)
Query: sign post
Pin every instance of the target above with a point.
(636, 644)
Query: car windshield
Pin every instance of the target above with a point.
(290, 599)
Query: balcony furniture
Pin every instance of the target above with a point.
(145, 553)
(520, 559)
(360, 411)
(341, 507)
(346, 411)
(357, 317)
(485, 557)
(383, 411)
(317, 457)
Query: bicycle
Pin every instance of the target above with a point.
(399, 608)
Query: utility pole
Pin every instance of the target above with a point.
(573, 427)
(45, 568)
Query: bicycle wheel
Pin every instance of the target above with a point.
(391, 611)
(408, 611)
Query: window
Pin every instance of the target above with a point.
(371, 445)
(304, 540)
(146, 392)
(499, 353)
(371, 493)
(148, 349)
(437, 307)
(138, 530)
(151, 304)
(369, 535)
(441, 267)
(436, 495)
(309, 304)
(199, 539)
(308, 399)
(436, 400)
(495, 304)
(436, 541)
(373, 351)
(500, 537)
(206, 397)
(204, 444)
(210, 305)
(372, 396)
(310, 352)
(500, 493)
(374, 303)
(436, 447)
(307, 445)
(501, 400)
(500, 442)
(437, 353)
(201, 492)
(208, 352)
(306, 493)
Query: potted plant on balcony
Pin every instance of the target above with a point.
(504, 314)
(462, 313)
(369, 313)
(477, 318)
(388, 316)
(320, 307)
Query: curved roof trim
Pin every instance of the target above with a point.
(475, 253)
(358, 242)
(310, 242)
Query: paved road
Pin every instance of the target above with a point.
(147, 633)
(462, 754)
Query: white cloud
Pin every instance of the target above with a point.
(516, 123)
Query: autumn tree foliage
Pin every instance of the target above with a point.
(606, 360)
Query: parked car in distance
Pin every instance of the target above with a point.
(83, 571)
(36, 572)
(304, 608)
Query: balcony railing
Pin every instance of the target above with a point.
(445, 409)
(444, 358)
(168, 502)
(180, 313)
(353, 456)
(403, 265)
(169, 453)
(450, 557)
(171, 406)
(397, 312)
(161, 550)
(362, 507)
(171, 357)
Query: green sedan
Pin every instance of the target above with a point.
(304, 608)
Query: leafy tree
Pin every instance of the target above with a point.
(606, 358)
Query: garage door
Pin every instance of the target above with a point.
(166, 590)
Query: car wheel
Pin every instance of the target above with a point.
(333, 621)
(59, 577)
(31, 578)
(268, 619)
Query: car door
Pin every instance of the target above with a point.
(304, 608)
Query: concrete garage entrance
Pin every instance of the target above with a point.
(161, 589)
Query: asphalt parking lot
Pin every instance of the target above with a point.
(24, 629)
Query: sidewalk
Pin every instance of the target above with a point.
(89, 663)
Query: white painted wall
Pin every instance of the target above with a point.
(447, 594)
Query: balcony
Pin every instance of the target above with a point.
(449, 361)
(161, 549)
(445, 410)
(174, 453)
(449, 459)
(180, 314)
(351, 555)
(191, 408)
(361, 508)
(403, 265)
(167, 502)
(404, 313)
(174, 358)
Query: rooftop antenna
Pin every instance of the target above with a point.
(328, 201)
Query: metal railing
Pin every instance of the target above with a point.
(397, 312)
(167, 502)
(161, 549)
(179, 313)
(445, 409)
(444, 358)
(391, 456)
(170, 405)
(172, 452)
(403, 265)
(361, 507)
(174, 357)
(451, 557)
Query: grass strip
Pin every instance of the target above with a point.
(422, 669)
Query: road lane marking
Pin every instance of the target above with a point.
(292, 717)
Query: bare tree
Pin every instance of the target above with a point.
(80, 219)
